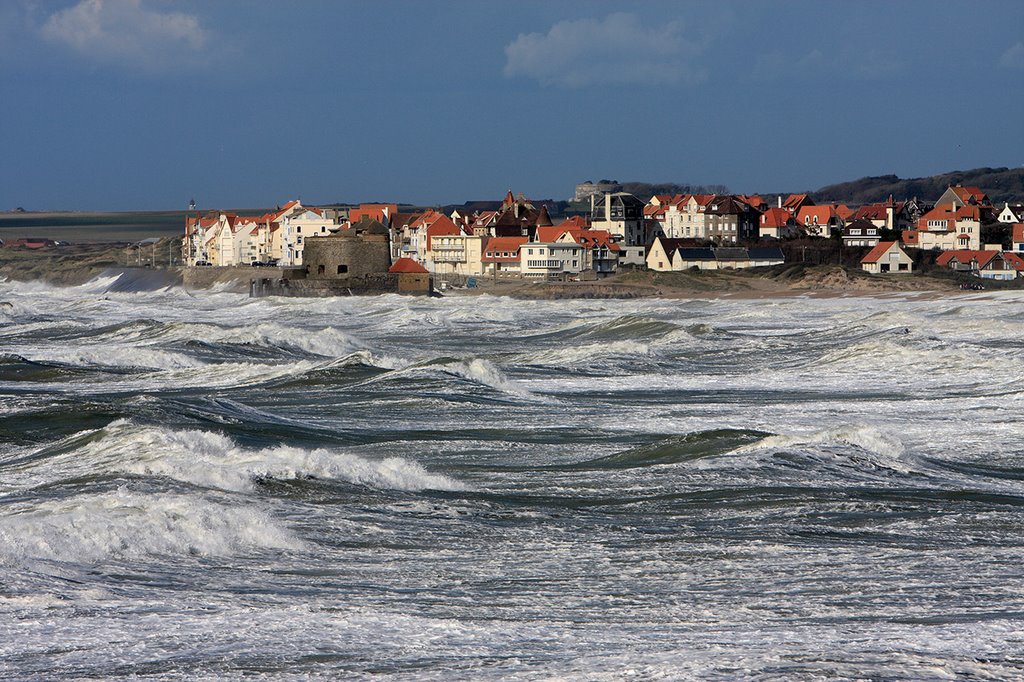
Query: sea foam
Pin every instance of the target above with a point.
(212, 460)
(126, 524)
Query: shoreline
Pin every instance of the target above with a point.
(78, 264)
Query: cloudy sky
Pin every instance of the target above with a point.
(142, 104)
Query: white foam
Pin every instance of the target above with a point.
(866, 438)
(213, 460)
(89, 528)
(485, 372)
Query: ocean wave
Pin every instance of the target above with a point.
(873, 450)
(585, 353)
(126, 524)
(212, 460)
(676, 449)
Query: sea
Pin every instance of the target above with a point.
(195, 485)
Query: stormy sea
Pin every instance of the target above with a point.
(199, 485)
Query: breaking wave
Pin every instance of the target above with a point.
(212, 460)
(125, 524)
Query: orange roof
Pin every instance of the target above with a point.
(969, 194)
(408, 265)
(966, 256)
(795, 201)
(441, 226)
(875, 254)
(1015, 260)
(911, 237)
(1018, 232)
(577, 222)
(775, 217)
(498, 245)
(550, 233)
(811, 215)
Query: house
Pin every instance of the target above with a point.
(860, 232)
(667, 254)
(702, 258)
(413, 278)
(887, 257)
(795, 202)
(600, 253)
(818, 221)
(959, 196)
(1011, 214)
(1017, 237)
(551, 260)
(1016, 261)
(946, 228)
(382, 213)
(984, 264)
(729, 220)
(621, 215)
(661, 251)
(501, 256)
(761, 257)
(298, 223)
(778, 223)
(518, 217)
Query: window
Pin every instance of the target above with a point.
(342, 269)
(299, 229)
(320, 269)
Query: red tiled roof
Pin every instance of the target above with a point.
(550, 233)
(408, 265)
(876, 253)
(815, 215)
(1015, 260)
(498, 245)
(1018, 232)
(775, 217)
(966, 256)
(441, 226)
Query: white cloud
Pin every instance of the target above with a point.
(616, 50)
(1013, 58)
(126, 32)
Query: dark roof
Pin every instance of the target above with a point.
(670, 245)
(699, 253)
(766, 253)
(731, 253)
(728, 205)
(367, 225)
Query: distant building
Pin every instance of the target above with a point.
(861, 232)
(984, 264)
(622, 216)
(355, 252)
(587, 189)
(887, 257)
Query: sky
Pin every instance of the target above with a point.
(146, 104)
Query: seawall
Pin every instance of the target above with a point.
(234, 278)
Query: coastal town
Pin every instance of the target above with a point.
(517, 239)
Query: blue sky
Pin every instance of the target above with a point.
(142, 104)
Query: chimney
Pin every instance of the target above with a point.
(780, 201)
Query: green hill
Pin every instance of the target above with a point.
(1001, 184)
